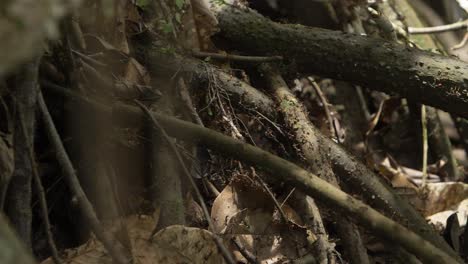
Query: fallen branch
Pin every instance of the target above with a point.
(351, 172)
(429, 78)
(309, 183)
(285, 170)
(157, 127)
(240, 92)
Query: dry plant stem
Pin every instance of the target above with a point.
(309, 183)
(462, 43)
(448, 40)
(439, 143)
(247, 254)
(351, 171)
(324, 102)
(239, 58)
(438, 29)
(113, 247)
(42, 202)
(424, 144)
(272, 196)
(284, 170)
(226, 254)
(430, 78)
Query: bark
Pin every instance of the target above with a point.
(19, 193)
(448, 40)
(240, 92)
(439, 143)
(429, 78)
(305, 181)
(351, 172)
(297, 121)
(316, 156)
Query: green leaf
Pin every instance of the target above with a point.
(177, 18)
(179, 3)
(143, 4)
(166, 27)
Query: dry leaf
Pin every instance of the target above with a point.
(245, 211)
(174, 244)
(443, 196)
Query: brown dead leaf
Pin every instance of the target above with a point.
(241, 194)
(394, 173)
(180, 244)
(443, 196)
(245, 211)
(174, 244)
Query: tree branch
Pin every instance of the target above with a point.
(432, 79)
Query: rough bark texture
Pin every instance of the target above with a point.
(439, 143)
(316, 156)
(298, 123)
(240, 92)
(430, 78)
(351, 172)
(19, 193)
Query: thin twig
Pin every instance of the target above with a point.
(218, 56)
(439, 29)
(326, 107)
(462, 43)
(247, 254)
(226, 254)
(42, 198)
(287, 197)
(425, 144)
(114, 248)
(285, 170)
(272, 196)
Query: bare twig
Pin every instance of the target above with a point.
(114, 248)
(218, 56)
(283, 169)
(247, 254)
(438, 29)
(425, 144)
(326, 107)
(287, 197)
(462, 43)
(272, 196)
(226, 254)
